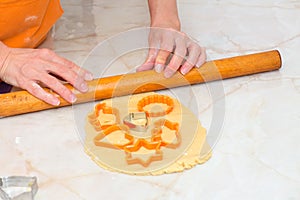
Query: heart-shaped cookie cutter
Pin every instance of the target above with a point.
(98, 140)
(136, 121)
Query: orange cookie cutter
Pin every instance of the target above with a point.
(93, 118)
(157, 133)
(148, 145)
(98, 139)
(132, 146)
(156, 98)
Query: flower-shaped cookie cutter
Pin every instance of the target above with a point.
(102, 107)
(156, 98)
(28, 186)
(158, 155)
(157, 133)
(98, 140)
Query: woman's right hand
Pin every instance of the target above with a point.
(28, 68)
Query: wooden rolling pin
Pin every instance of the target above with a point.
(20, 102)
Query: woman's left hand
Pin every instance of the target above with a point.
(170, 50)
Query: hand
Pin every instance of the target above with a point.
(169, 44)
(28, 68)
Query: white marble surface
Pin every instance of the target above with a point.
(257, 155)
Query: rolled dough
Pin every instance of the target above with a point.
(192, 150)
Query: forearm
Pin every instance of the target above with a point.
(163, 13)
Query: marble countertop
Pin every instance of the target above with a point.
(257, 155)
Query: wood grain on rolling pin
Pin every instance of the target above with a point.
(22, 102)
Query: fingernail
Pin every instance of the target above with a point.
(88, 76)
(55, 102)
(184, 71)
(52, 99)
(84, 87)
(73, 98)
(168, 73)
(159, 68)
(198, 65)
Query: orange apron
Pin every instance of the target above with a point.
(25, 23)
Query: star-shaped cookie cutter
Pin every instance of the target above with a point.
(148, 145)
(98, 140)
(93, 118)
(156, 98)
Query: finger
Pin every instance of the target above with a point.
(179, 55)
(56, 86)
(69, 75)
(166, 47)
(202, 58)
(153, 42)
(194, 54)
(149, 63)
(161, 60)
(53, 57)
(36, 90)
(85, 74)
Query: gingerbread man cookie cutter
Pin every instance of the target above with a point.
(157, 133)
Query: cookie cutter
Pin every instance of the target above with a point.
(136, 121)
(157, 133)
(158, 155)
(11, 186)
(156, 98)
(111, 129)
(93, 118)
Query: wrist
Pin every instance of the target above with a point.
(173, 23)
(164, 14)
(4, 52)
